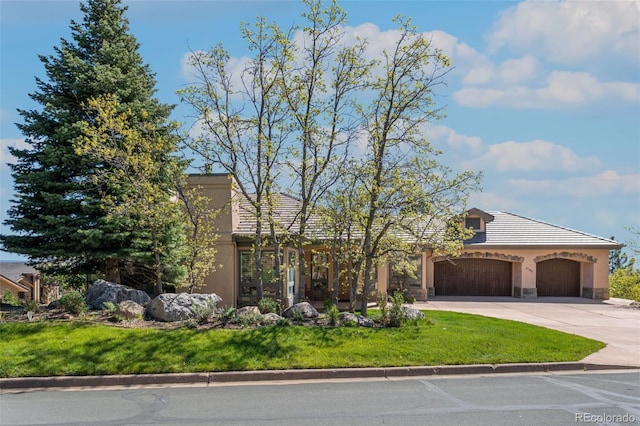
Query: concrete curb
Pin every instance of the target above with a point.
(308, 374)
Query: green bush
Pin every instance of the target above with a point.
(109, 307)
(267, 305)
(625, 283)
(298, 316)
(204, 313)
(9, 299)
(226, 313)
(73, 303)
(333, 315)
(397, 314)
(31, 306)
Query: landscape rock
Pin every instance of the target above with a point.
(171, 307)
(412, 313)
(248, 310)
(128, 309)
(271, 318)
(358, 319)
(103, 291)
(305, 308)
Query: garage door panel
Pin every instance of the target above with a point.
(472, 277)
(558, 278)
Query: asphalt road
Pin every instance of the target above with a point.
(525, 399)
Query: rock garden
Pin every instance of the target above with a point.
(122, 306)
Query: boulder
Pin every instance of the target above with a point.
(358, 319)
(247, 310)
(103, 291)
(271, 318)
(171, 307)
(411, 313)
(305, 308)
(128, 309)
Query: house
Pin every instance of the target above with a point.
(23, 281)
(509, 255)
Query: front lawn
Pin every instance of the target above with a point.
(76, 348)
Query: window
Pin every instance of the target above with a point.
(473, 223)
(248, 284)
(319, 275)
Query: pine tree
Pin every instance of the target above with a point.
(58, 217)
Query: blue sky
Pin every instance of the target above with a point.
(544, 97)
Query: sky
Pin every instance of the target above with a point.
(543, 97)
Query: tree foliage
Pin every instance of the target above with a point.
(625, 282)
(60, 217)
(297, 109)
(241, 118)
(138, 181)
(200, 236)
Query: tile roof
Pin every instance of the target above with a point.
(508, 229)
(14, 270)
(286, 213)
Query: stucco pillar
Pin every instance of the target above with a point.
(528, 288)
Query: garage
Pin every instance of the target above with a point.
(472, 277)
(558, 278)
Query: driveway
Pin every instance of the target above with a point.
(611, 321)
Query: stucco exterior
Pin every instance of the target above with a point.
(522, 242)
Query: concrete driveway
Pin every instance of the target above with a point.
(611, 321)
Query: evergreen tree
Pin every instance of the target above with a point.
(58, 216)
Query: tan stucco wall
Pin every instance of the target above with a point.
(6, 285)
(219, 189)
(594, 267)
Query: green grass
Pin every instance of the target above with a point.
(51, 349)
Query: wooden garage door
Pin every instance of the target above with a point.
(558, 278)
(472, 277)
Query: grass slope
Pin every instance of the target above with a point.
(76, 348)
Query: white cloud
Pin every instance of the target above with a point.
(536, 155)
(5, 155)
(470, 144)
(514, 71)
(562, 89)
(606, 183)
(235, 67)
(570, 31)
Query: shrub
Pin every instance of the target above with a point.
(267, 305)
(248, 320)
(9, 299)
(333, 314)
(204, 313)
(382, 305)
(73, 303)
(625, 283)
(31, 306)
(109, 307)
(226, 313)
(397, 314)
(298, 316)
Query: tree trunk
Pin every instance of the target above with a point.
(336, 274)
(112, 270)
(158, 274)
(366, 286)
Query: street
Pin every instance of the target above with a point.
(527, 399)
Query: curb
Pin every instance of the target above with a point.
(303, 374)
